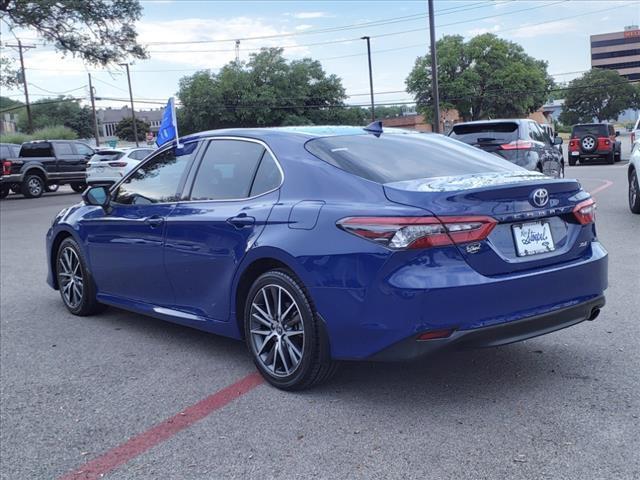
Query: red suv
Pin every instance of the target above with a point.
(594, 141)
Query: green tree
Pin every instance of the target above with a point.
(8, 103)
(66, 111)
(598, 93)
(265, 91)
(486, 77)
(98, 31)
(124, 129)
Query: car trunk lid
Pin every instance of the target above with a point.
(508, 197)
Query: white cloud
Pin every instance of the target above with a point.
(537, 31)
(303, 15)
(303, 27)
(214, 54)
(480, 30)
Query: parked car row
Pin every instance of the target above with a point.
(34, 168)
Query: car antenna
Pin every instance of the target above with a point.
(375, 128)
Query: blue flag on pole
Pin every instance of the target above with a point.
(169, 126)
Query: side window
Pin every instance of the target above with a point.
(535, 133)
(157, 181)
(82, 149)
(63, 148)
(4, 152)
(227, 170)
(268, 176)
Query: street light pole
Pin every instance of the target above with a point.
(373, 113)
(434, 71)
(133, 112)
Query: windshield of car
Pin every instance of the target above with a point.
(397, 157)
(490, 132)
(598, 130)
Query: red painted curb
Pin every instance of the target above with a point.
(135, 446)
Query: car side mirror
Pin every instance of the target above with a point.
(98, 196)
(617, 133)
(557, 140)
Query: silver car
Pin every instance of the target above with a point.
(634, 175)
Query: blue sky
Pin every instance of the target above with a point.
(552, 30)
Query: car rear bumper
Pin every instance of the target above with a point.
(594, 154)
(438, 290)
(13, 178)
(495, 335)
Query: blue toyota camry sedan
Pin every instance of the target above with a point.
(322, 244)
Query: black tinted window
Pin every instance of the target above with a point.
(535, 132)
(267, 177)
(42, 149)
(597, 130)
(227, 170)
(493, 132)
(398, 157)
(140, 154)
(157, 180)
(106, 156)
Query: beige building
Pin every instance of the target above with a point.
(618, 51)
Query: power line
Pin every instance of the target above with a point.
(56, 93)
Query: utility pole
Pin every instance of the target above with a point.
(237, 51)
(373, 113)
(93, 109)
(434, 71)
(20, 48)
(133, 112)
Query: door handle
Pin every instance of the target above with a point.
(241, 221)
(154, 221)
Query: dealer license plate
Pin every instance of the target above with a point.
(533, 238)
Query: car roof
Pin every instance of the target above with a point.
(284, 132)
(496, 120)
(591, 124)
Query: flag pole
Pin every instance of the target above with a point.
(175, 120)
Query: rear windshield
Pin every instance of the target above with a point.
(597, 130)
(399, 157)
(106, 156)
(474, 133)
(42, 149)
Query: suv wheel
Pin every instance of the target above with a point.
(4, 191)
(634, 192)
(284, 333)
(611, 158)
(618, 156)
(79, 187)
(76, 286)
(572, 161)
(588, 143)
(33, 186)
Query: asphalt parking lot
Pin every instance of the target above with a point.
(122, 396)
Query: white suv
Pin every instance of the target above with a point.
(109, 166)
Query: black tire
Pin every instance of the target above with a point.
(611, 158)
(15, 187)
(618, 156)
(634, 192)
(79, 187)
(32, 186)
(315, 364)
(52, 187)
(87, 303)
(572, 161)
(4, 191)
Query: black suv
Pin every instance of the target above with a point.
(45, 162)
(523, 142)
(594, 141)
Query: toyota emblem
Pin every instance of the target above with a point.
(539, 197)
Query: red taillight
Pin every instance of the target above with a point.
(573, 145)
(419, 232)
(435, 334)
(117, 164)
(6, 167)
(585, 212)
(517, 145)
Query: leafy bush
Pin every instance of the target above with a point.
(57, 132)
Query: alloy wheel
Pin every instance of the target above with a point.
(35, 186)
(277, 330)
(588, 143)
(70, 277)
(634, 190)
